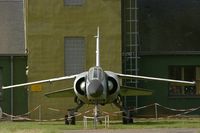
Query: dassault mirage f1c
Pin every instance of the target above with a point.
(98, 87)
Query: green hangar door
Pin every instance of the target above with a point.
(13, 71)
(0, 86)
(20, 97)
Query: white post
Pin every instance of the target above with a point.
(108, 121)
(85, 122)
(105, 120)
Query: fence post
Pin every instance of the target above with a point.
(40, 113)
(156, 111)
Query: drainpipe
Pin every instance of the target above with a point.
(11, 82)
(25, 17)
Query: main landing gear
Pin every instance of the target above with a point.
(127, 116)
(70, 116)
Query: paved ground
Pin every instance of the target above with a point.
(161, 130)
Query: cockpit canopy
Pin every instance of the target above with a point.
(96, 73)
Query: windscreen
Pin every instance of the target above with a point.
(95, 73)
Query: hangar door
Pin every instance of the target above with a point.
(0, 85)
(15, 102)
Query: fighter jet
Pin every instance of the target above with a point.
(98, 87)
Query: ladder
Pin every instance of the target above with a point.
(130, 42)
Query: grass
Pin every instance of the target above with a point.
(55, 127)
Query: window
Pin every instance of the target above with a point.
(188, 73)
(74, 48)
(74, 2)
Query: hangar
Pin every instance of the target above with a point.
(144, 37)
(169, 48)
(12, 56)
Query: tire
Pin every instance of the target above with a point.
(1, 113)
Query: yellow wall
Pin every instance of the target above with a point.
(48, 22)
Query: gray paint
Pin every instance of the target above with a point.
(11, 27)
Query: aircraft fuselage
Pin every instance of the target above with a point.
(97, 86)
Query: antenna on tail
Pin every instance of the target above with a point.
(97, 48)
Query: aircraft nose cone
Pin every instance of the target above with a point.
(95, 88)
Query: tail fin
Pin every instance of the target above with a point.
(97, 48)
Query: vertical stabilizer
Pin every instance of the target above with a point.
(97, 48)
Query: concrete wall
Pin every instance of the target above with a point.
(48, 22)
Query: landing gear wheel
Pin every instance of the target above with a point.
(127, 117)
(70, 120)
(70, 117)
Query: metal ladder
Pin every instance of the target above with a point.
(130, 42)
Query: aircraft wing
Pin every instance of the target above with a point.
(131, 91)
(68, 92)
(40, 81)
(177, 82)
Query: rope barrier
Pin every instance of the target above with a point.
(172, 109)
(184, 113)
(20, 116)
(156, 105)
